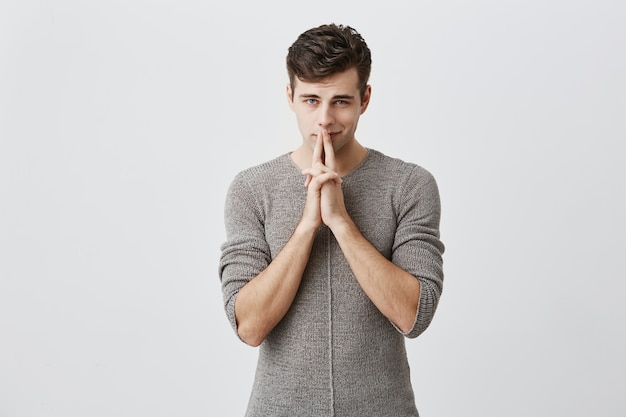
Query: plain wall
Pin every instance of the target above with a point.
(123, 122)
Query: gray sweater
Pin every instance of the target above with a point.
(334, 353)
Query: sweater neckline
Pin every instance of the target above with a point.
(368, 156)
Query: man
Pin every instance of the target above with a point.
(332, 255)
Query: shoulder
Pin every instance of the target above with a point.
(399, 169)
(259, 183)
(414, 188)
(265, 168)
(249, 186)
(263, 172)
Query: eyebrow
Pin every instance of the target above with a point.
(336, 97)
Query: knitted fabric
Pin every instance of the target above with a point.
(334, 353)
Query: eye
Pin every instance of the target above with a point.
(311, 101)
(341, 102)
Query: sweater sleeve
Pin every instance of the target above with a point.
(245, 253)
(417, 248)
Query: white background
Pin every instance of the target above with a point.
(123, 122)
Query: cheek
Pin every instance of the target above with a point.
(307, 123)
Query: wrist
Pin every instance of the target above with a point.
(341, 225)
(306, 228)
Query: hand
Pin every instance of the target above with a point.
(324, 183)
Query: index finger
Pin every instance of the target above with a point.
(329, 151)
(318, 148)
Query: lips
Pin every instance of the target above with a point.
(331, 134)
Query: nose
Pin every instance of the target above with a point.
(325, 117)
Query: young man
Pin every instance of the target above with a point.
(332, 255)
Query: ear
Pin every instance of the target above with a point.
(366, 98)
(289, 93)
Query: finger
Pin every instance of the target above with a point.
(316, 170)
(317, 150)
(313, 171)
(329, 152)
(319, 180)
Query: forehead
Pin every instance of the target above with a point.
(346, 82)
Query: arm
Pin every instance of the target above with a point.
(258, 290)
(393, 291)
(413, 278)
(397, 295)
(264, 300)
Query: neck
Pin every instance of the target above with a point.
(346, 159)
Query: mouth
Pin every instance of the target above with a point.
(331, 134)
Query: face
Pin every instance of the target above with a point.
(333, 104)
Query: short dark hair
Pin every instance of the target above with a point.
(326, 50)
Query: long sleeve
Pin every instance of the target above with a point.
(245, 253)
(417, 248)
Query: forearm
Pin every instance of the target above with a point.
(263, 302)
(393, 291)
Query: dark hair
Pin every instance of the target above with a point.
(326, 50)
